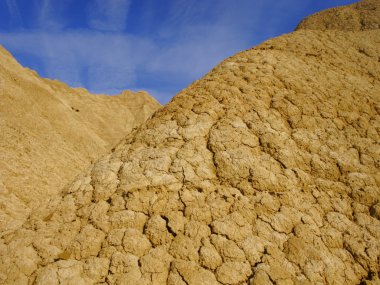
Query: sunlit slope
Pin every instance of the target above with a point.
(265, 171)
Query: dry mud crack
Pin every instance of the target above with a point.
(265, 171)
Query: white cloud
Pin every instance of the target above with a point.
(96, 60)
(110, 15)
(110, 62)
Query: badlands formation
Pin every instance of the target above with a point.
(265, 171)
(50, 132)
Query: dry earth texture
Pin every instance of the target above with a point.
(265, 171)
(50, 132)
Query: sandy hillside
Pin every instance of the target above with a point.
(265, 171)
(50, 132)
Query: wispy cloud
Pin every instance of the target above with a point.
(110, 62)
(108, 15)
(80, 58)
(14, 12)
(200, 48)
(49, 15)
(182, 40)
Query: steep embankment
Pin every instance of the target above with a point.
(50, 132)
(264, 171)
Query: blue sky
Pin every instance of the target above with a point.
(156, 45)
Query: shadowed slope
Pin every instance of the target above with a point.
(264, 171)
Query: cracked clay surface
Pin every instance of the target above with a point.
(265, 171)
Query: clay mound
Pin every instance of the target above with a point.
(50, 132)
(265, 171)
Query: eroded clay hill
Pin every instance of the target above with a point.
(50, 133)
(265, 171)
